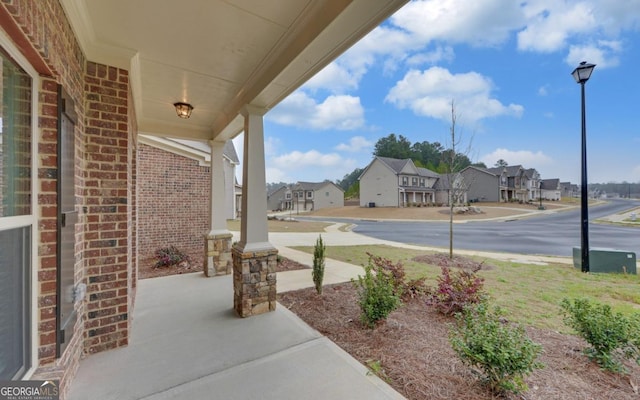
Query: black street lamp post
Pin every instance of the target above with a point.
(581, 74)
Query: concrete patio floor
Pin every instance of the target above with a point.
(187, 343)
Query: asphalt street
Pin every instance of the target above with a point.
(550, 234)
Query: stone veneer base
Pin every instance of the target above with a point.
(254, 281)
(217, 254)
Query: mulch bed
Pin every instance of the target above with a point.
(147, 269)
(416, 358)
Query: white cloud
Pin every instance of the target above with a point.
(430, 93)
(439, 54)
(273, 175)
(336, 112)
(526, 158)
(335, 78)
(356, 144)
(604, 54)
(311, 166)
(551, 23)
(479, 23)
(556, 25)
(310, 158)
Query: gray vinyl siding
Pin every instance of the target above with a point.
(482, 186)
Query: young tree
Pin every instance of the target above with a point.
(501, 163)
(317, 273)
(453, 162)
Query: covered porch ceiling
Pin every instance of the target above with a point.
(217, 55)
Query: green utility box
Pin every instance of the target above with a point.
(607, 260)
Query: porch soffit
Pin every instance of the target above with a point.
(218, 55)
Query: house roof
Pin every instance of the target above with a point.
(194, 149)
(397, 165)
(549, 184)
(529, 173)
(483, 170)
(314, 185)
(511, 170)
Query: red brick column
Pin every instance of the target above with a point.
(107, 201)
(47, 222)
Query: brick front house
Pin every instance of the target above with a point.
(80, 80)
(174, 187)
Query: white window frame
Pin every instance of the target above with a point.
(28, 220)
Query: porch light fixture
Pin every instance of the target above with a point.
(581, 74)
(183, 109)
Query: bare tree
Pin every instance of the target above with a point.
(454, 182)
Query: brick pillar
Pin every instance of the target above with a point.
(217, 257)
(254, 281)
(107, 200)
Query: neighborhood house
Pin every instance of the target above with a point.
(306, 196)
(391, 182)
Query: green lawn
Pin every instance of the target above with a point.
(529, 293)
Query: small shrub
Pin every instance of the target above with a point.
(500, 353)
(613, 337)
(457, 290)
(318, 264)
(169, 256)
(402, 288)
(376, 294)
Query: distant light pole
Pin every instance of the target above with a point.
(581, 74)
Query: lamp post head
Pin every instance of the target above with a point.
(582, 73)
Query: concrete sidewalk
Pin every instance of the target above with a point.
(187, 343)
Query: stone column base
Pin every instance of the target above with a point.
(254, 281)
(217, 254)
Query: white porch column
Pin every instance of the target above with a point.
(254, 258)
(218, 189)
(217, 260)
(253, 227)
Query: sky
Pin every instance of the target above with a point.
(506, 67)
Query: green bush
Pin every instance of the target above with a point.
(613, 337)
(457, 290)
(376, 294)
(169, 256)
(499, 352)
(318, 264)
(405, 290)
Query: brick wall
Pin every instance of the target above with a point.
(173, 202)
(105, 185)
(106, 197)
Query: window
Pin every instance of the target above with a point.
(287, 196)
(326, 194)
(309, 195)
(405, 181)
(414, 181)
(16, 216)
(15, 139)
(421, 182)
